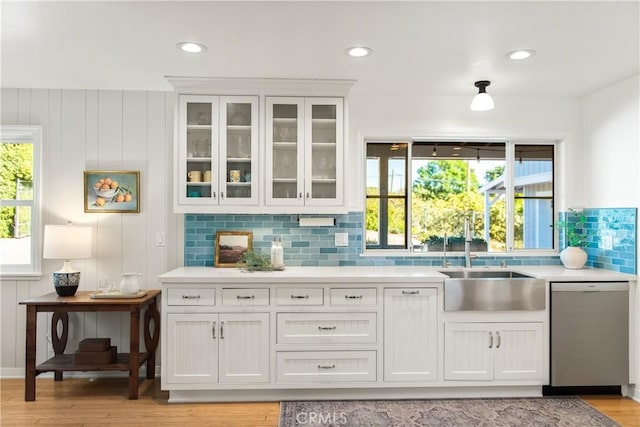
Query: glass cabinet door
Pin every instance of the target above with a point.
(324, 133)
(238, 149)
(198, 149)
(285, 151)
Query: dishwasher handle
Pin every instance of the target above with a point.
(589, 286)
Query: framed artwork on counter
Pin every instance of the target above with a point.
(230, 245)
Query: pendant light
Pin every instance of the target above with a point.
(482, 101)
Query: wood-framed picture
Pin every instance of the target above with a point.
(111, 191)
(230, 245)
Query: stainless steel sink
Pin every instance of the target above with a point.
(470, 290)
(471, 274)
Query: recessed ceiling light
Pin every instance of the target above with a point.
(191, 47)
(518, 55)
(358, 51)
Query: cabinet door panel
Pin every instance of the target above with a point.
(244, 348)
(197, 150)
(410, 334)
(192, 349)
(238, 169)
(519, 351)
(285, 151)
(324, 147)
(468, 351)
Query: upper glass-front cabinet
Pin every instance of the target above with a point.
(217, 152)
(304, 151)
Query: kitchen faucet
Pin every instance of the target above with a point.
(467, 243)
(445, 263)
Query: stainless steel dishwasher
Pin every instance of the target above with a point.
(589, 334)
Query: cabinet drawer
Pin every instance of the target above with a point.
(353, 296)
(299, 296)
(326, 328)
(320, 366)
(245, 297)
(191, 296)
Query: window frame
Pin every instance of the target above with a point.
(510, 158)
(28, 134)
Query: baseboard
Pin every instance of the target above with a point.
(18, 373)
(633, 392)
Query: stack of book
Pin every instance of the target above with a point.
(95, 351)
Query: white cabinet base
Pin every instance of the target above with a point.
(355, 391)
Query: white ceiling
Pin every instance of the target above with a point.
(419, 47)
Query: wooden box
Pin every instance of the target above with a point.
(95, 357)
(94, 344)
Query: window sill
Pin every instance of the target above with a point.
(20, 276)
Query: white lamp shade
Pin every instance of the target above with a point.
(482, 102)
(67, 242)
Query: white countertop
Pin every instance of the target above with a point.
(408, 274)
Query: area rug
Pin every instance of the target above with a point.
(543, 411)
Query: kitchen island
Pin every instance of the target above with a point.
(348, 333)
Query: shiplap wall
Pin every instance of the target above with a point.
(94, 130)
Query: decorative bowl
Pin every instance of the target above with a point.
(107, 194)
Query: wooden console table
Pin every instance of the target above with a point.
(81, 302)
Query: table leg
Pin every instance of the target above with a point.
(134, 353)
(30, 362)
(151, 341)
(59, 341)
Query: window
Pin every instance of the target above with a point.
(19, 195)
(454, 182)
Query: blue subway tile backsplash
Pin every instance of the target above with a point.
(315, 246)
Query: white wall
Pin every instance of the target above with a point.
(397, 116)
(611, 123)
(88, 130)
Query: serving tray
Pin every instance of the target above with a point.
(116, 295)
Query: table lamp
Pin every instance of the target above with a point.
(67, 242)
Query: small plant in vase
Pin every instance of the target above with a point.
(573, 256)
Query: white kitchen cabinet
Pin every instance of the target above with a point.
(304, 151)
(225, 348)
(217, 151)
(493, 351)
(410, 334)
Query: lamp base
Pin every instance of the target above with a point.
(66, 284)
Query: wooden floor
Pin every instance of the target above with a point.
(103, 402)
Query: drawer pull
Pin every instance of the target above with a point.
(326, 328)
(410, 292)
(353, 297)
(245, 296)
(190, 296)
(499, 339)
(213, 330)
(326, 366)
(490, 339)
(221, 330)
(299, 296)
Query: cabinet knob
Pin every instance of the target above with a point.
(222, 195)
(300, 195)
(213, 195)
(308, 195)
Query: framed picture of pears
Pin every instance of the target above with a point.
(111, 191)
